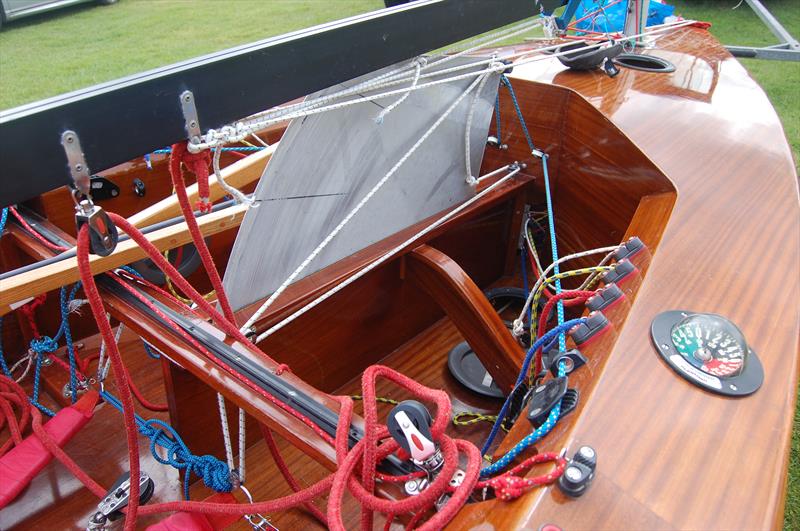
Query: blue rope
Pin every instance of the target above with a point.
(65, 330)
(165, 151)
(507, 84)
(41, 346)
(522, 375)
(149, 351)
(497, 117)
(215, 473)
(529, 439)
(3, 363)
(562, 340)
(43, 343)
(3, 219)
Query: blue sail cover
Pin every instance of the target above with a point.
(612, 19)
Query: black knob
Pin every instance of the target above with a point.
(575, 479)
(587, 456)
(138, 187)
(579, 472)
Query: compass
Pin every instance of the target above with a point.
(709, 351)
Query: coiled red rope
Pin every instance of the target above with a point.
(366, 454)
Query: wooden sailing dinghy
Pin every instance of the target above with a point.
(663, 397)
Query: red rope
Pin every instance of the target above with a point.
(574, 298)
(290, 479)
(198, 163)
(27, 310)
(152, 406)
(14, 389)
(12, 394)
(512, 484)
(34, 232)
(368, 452)
(96, 303)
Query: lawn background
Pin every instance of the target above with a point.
(76, 47)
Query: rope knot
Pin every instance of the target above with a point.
(44, 344)
(197, 163)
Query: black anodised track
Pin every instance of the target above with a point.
(319, 414)
(124, 119)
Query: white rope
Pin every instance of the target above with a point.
(390, 108)
(593, 276)
(400, 74)
(532, 249)
(243, 129)
(472, 181)
(27, 359)
(491, 174)
(102, 370)
(238, 196)
(518, 330)
(226, 432)
(356, 209)
(331, 292)
(242, 443)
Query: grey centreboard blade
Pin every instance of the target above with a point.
(326, 163)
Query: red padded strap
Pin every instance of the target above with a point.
(21, 464)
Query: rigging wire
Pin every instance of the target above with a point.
(263, 308)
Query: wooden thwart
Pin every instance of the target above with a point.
(55, 275)
(239, 174)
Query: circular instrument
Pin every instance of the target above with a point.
(709, 351)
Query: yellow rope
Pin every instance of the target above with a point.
(381, 399)
(468, 418)
(208, 296)
(560, 276)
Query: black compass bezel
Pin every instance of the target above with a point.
(745, 383)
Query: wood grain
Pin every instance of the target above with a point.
(671, 455)
(239, 174)
(55, 275)
(471, 312)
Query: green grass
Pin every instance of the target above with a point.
(73, 48)
(780, 79)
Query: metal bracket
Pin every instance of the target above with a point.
(189, 110)
(78, 168)
(525, 215)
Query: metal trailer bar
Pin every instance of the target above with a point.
(123, 119)
(787, 50)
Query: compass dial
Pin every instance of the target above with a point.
(711, 343)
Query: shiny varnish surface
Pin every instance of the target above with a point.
(671, 455)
